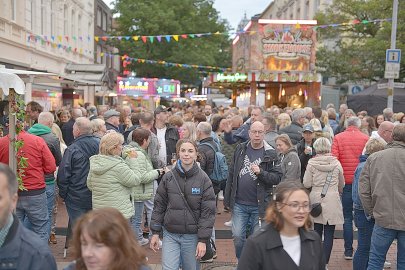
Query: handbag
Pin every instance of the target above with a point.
(209, 245)
(316, 208)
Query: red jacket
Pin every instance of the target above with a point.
(347, 147)
(40, 159)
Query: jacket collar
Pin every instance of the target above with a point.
(266, 145)
(396, 144)
(187, 174)
(274, 239)
(208, 139)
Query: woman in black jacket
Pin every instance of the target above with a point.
(184, 209)
(286, 242)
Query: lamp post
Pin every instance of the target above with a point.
(390, 98)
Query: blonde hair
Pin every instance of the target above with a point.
(283, 116)
(190, 126)
(56, 130)
(110, 141)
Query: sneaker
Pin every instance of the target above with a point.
(348, 256)
(216, 256)
(228, 223)
(387, 264)
(210, 260)
(143, 242)
(221, 195)
(52, 239)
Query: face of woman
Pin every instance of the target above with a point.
(185, 132)
(380, 119)
(187, 154)
(96, 256)
(64, 118)
(117, 150)
(295, 209)
(128, 121)
(281, 146)
(364, 122)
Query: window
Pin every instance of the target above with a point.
(43, 17)
(53, 17)
(99, 19)
(13, 10)
(316, 6)
(79, 25)
(306, 10)
(104, 21)
(109, 24)
(65, 20)
(73, 23)
(98, 60)
(30, 15)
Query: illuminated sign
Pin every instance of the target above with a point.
(221, 77)
(133, 86)
(287, 77)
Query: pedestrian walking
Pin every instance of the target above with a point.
(290, 162)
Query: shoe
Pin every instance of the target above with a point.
(348, 256)
(228, 223)
(52, 239)
(226, 209)
(216, 256)
(160, 243)
(221, 195)
(145, 230)
(210, 260)
(387, 264)
(143, 242)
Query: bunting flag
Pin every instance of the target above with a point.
(58, 44)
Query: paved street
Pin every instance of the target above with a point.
(226, 256)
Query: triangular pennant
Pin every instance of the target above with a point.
(96, 38)
(102, 54)
(88, 38)
(81, 38)
(217, 33)
(53, 38)
(151, 39)
(81, 51)
(176, 37)
(167, 38)
(135, 38)
(184, 36)
(198, 35)
(127, 38)
(191, 35)
(298, 26)
(104, 38)
(143, 39)
(67, 38)
(356, 21)
(74, 37)
(119, 38)
(159, 38)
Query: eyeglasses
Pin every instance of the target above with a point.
(390, 131)
(259, 132)
(306, 207)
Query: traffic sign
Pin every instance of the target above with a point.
(393, 56)
(399, 85)
(391, 70)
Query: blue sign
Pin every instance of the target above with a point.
(393, 56)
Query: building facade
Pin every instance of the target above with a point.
(294, 9)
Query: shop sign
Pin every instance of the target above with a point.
(168, 87)
(288, 77)
(232, 77)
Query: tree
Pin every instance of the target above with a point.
(144, 17)
(358, 50)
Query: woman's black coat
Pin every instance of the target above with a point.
(264, 250)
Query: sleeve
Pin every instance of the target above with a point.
(45, 261)
(341, 184)
(57, 154)
(129, 177)
(308, 177)
(207, 212)
(202, 158)
(65, 173)
(229, 137)
(251, 258)
(365, 189)
(335, 148)
(272, 175)
(159, 206)
(153, 151)
(293, 168)
(48, 161)
(229, 181)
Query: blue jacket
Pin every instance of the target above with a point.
(73, 171)
(238, 136)
(355, 185)
(24, 250)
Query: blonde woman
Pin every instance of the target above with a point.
(188, 131)
(99, 128)
(290, 162)
(283, 120)
(111, 178)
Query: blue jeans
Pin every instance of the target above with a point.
(137, 220)
(179, 249)
(33, 210)
(242, 215)
(74, 212)
(365, 229)
(381, 241)
(50, 202)
(347, 203)
(328, 231)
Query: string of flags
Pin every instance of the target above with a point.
(177, 37)
(56, 42)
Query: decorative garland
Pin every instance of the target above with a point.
(17, 109)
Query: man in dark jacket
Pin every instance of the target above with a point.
(166, 134)
(206, 153)
(294, 130)
(67, 128)
(112, 120)
(253, 172)
(43, 130)
(20, 248)
(305, 150)
(74, 168)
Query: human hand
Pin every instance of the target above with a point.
(154, 242)
(227, 127)
(166, 170)
(255, 168)
(200, 251)
(132, 154)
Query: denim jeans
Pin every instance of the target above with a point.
(137, 220)
(50, 202)
(242, 215)
(365, 230)
(179, 249)
(328, 231)
(74, 212)
(33, 209)
(347, 203)
(381, 241)
(149, 206)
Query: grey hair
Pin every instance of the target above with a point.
(97, 124)
(76, 113)
(205, 128)
(353, 121)
(398, 133)
(84, 126)
(322, 146)
(46, 118)
(297, 114)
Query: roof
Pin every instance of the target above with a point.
(99, 68)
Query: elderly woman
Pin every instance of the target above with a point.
(320, 168)
(290, 162)
(99, 128)
(111, 178)
(283, 120)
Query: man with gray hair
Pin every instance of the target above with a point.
(388, 113)
(347, 147)
(207, 153)
(294, 130)
(74, 168)
(381, 190)
(67, 128)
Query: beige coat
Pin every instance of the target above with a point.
(315, 178)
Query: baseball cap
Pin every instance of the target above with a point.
(111, 113)
(308, 127)
(160, 108)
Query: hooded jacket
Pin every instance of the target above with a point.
(290, 165)
(111, 180)
(294, 131)
(53, 144)
(170, 210)
(315, 178)
(144, 165)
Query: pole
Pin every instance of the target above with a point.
(390, 99)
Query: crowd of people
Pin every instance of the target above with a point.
(131, 177)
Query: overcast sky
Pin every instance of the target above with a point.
(233, 10)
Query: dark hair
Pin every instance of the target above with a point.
(371, 124)
(181, 141)
(271, 121)
(35, 106)
(12, 183)
(109, 226)
(317, 112)
(146, 118)
(135, 118)
(216, 121)
(139, 135)
(199, 117)
(283, 191)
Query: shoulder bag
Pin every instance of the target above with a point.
(316, 208)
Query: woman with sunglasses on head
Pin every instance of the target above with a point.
(286, 241)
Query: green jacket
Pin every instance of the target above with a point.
(144, 165)
(111, 180)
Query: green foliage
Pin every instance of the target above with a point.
(143, 17)
(359, 50)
